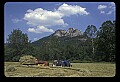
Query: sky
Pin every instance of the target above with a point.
(41, 19)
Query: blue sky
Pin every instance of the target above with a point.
(40, 19)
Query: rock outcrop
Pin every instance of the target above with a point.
(72, 32)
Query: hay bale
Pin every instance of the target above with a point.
(27, 59)
(10, 69)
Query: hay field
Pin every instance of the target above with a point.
(77, 70)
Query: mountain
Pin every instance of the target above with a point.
(62, 36)
(71, 44)
(72, 32)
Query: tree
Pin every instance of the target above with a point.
(91, 32)
(106, 41)
(18, 43)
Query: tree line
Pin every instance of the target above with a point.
(99, 45)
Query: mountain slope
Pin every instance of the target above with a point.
(61, 36)
(63, 40)
(64, 47)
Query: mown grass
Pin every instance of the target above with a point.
(77, 70)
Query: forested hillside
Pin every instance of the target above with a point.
(74, 48)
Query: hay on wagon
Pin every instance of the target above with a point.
(27, 59)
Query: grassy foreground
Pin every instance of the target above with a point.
(77, 70)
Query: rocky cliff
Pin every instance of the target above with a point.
(72, 32)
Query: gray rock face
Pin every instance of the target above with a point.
(72, 32)
(60, 33)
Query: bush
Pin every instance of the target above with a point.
(27, 59)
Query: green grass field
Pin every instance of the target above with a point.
(77, 70)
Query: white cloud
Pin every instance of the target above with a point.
(101, 7)
(112, 4)
(110, 12)
(42, 19)
(65, 25)
(40, 29)
(102, 12)
(110, 8)
(67, 10)
(16, 20)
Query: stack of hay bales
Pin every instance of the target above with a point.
(27, 59)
